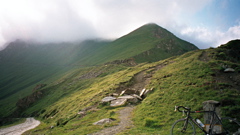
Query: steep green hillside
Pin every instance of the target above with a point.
(73, 103)
(23, 65)
(148, 43)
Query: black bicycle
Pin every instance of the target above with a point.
(217, 126)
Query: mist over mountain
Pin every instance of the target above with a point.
(141, 44)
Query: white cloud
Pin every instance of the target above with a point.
(206, 38)
(69, 20)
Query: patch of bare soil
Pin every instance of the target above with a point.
(228, 80)
(125, 122)
(204, 57)
(141, 79)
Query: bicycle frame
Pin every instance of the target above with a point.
(213, 116)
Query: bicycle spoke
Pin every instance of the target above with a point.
(178, 128)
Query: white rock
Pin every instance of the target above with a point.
(103, 121)
(118, 102)
(108, 99)
(229, 70)
(129, 98)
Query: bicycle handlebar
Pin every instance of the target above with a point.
(177, 108)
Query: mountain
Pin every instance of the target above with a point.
(146, 44)
(66, 95)
(23, 65)
(73, 102)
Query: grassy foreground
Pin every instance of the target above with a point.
(186, 80)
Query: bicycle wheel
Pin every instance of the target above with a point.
(229, 126)
(177, 128)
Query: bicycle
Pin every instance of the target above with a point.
(217, 126)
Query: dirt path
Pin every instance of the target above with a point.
(125, 122)
(30, 123)
(140, 80)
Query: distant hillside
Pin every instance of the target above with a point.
(72, 103)
(23, 65)
(148, 43)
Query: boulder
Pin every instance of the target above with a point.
(108, 99)
(142, 92)
(145, 92)
(118, 102)
(114, 94)
(103, 121)
(136, 96)
(228, 70)
(129, 98)
(129, 92)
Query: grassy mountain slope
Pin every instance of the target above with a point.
(186, 80)
(146, 44)
(23, 65)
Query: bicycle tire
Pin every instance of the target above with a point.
(178, 126)
(230, 125)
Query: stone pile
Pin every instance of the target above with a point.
(126, 97)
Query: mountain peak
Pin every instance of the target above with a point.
(151, 25)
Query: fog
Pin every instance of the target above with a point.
(74, 20)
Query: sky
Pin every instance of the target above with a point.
(205, 23)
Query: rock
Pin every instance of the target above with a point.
(129, 98)
(122, 92)
(146, 92)
(114, 94)
(81, 113)
(129, 92)
(142, 92)
(227, 70)
(103, 121)
(136, 96)
(118, 102)
(108, 99)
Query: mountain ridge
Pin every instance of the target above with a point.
(69, 101)
(22, 59)
(25, 65)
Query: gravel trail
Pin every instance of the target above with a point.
(30, 123)
(125, 122)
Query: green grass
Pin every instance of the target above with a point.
(61, 109)
(184, 81)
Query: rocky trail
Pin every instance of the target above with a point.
(140, 80)
(30, 123)
(125, 122)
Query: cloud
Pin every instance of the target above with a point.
(55, 22)
(205, 38)
(71, 20)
